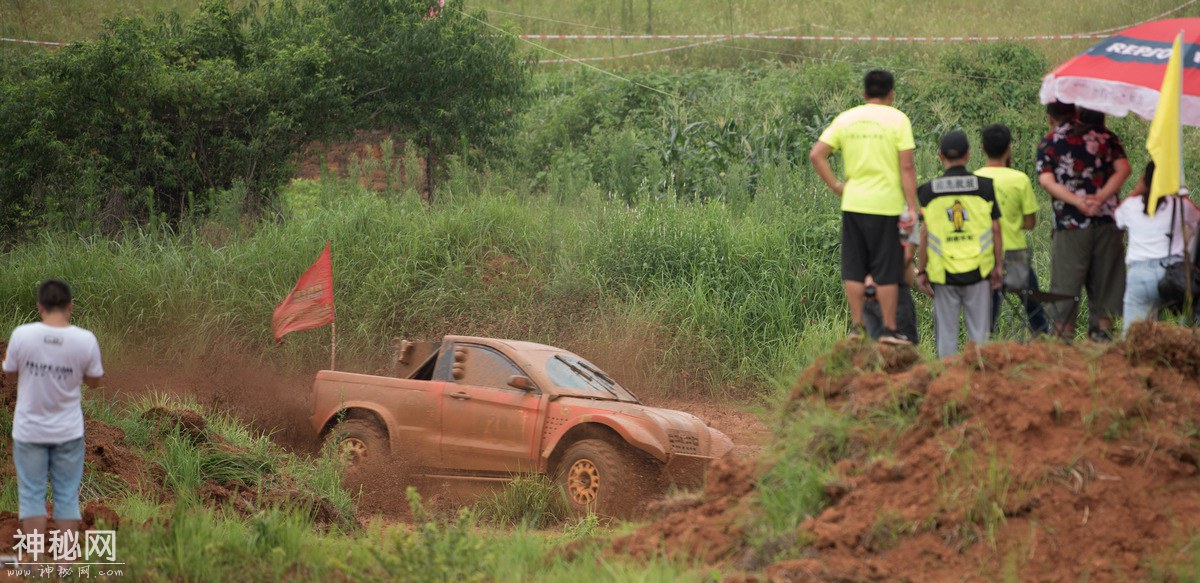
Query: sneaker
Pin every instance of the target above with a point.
(895, 338)
(1098, 335)
(855, 332)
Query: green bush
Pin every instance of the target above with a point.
(153, 123)
(533, 500)
(435, 551)
(148, 121)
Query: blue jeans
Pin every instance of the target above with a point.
(63, 462)
(1141, 289)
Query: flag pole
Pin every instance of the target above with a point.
(333, 345)
(333, 318)
(1189, 293)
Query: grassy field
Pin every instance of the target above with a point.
(66, 20)
(846, 18)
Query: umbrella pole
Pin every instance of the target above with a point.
(1187, 259)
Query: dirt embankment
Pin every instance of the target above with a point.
(1041, 462)
(379, 167)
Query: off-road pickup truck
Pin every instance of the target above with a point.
(487, 409)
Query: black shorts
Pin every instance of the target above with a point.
(871, 246)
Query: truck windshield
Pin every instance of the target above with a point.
(568, 371)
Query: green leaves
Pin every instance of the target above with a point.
(143, 123)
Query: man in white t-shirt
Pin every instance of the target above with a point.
(48, 360)
(1154, 243)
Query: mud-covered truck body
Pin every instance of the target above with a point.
(488, 409)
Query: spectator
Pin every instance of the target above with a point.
(876, 143)
(1018, 213)
(906, 310)
(48, 360)
(962, 255)
(1083, 165)
(1154, 243)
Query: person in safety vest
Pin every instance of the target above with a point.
(962, 257)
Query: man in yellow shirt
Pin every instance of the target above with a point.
(876, 143)
(1018, 208)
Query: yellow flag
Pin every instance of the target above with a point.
(1166, 133)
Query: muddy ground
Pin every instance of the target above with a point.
(1044, 462)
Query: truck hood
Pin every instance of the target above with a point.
(685, 433)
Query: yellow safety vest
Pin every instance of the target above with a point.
(958, 219)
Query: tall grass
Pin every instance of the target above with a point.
(739, 288)
(533, 501)
(689, 235)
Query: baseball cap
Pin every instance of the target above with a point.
(954, 145)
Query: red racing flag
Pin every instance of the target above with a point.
(311, 302)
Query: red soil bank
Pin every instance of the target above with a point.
(1041, 462)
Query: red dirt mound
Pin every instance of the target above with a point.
(836, 371)
(1043, 461)
(190, 424)
(106, 452)
(709, 529)
(96, 516)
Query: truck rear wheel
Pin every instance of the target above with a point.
(603, 478)
(359, 441)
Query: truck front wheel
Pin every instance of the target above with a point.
(359, 441)
(605, 479)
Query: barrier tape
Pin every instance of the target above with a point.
(24, 41)
(861, 38)
(723, 37)
(1098, 34)
(663, 50)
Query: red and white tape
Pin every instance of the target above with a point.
(715, 38)
(806, 37)
(712, 40)
(25, 41)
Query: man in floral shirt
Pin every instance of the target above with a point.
(1083, 166)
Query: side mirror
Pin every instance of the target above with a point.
(457, 370)
(521, 382)
(404, 350)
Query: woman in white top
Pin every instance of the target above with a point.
(1154, 243)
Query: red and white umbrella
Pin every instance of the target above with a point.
(1124, 72)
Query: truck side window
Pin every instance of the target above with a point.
(484, 367)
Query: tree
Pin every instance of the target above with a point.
(147, 121)
(441, 79)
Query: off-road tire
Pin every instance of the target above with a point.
(359, 441)
(606, 479)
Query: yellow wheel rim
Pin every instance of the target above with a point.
(352, 450)
(583, 482)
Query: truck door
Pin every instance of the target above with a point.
(486, 424)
